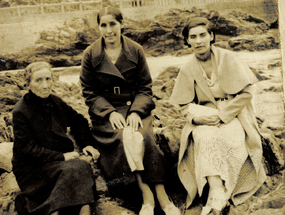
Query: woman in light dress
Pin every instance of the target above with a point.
(220, 144)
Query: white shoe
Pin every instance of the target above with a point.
(171, 209)
(147, 209)
(217, 201)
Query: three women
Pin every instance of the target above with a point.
(220, 147)
(220, 144)
(116, 85)
(50, 175)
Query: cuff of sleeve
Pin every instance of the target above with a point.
(102, 110)
(224, 117)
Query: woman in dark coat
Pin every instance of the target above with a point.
(116, 84)
(47, 169)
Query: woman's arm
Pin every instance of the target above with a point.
(26, 146)
(235, 106)
(97, 104)
(208, 118)
(143, 102)
(79, 127)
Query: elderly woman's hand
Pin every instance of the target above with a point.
(134, 121)
(213, 120)
(70, 155)
(94, 152)
(117, 120)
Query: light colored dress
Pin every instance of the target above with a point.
(219, 151)
(207, 150)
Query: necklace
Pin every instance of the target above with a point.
(210, 81)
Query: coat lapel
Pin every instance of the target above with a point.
(125, 62)
(109, 68)
(100, 61)
(127, 59)
(197, 75)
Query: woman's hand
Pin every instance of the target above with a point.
(134, 121)
(213, 120)
(94, 152)
(70, 155)
(117, 120)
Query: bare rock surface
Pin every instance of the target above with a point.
(6, 155)
(63, 46)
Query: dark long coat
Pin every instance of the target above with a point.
(124, 87)
(45, 179)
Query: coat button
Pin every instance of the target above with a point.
(129, 102)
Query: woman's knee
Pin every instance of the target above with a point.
(76, 165)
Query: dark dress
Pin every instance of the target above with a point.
(47, 181)
(124, 87)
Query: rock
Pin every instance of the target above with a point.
(158, 37)
(274, 65)
(8, 184)
(273, 151)
(276, 87)
(253, 42)
(8, 190)
(6, 154)
(164, 83)
(64, 34)
(274, 25)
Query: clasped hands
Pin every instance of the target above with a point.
(211, 120)
(118, 121)
(88, 149)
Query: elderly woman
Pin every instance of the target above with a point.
(47, 169)
(220, 144)
(116, 84)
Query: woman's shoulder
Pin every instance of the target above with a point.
(188, 64)
(94, 46)
(59, 102)
(130, 43)
(56, 98)
(222, 51)
(20, 106)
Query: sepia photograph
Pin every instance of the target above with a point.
(142, 107)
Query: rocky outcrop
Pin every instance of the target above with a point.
(6, 154)
(64, 46)
(254, 42)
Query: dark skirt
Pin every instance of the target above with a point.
(113, 159)
(56, 185)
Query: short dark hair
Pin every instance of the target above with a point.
(33, 67)
(194, 22)
(111, 11)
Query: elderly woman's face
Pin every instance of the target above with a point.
(41, 83)
(199, 39)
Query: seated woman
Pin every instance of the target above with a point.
(47, 169)
(116, 84)
(220, 144)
